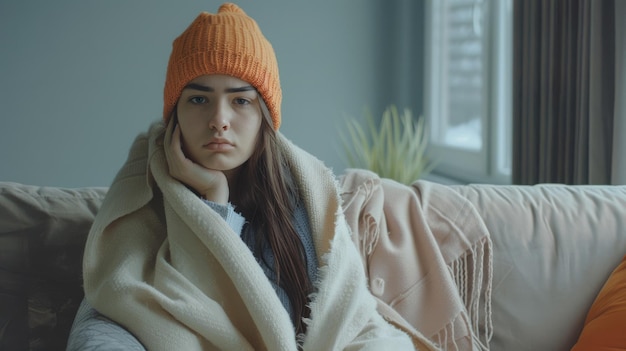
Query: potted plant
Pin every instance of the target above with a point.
(395, 149)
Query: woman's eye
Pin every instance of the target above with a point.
(198, 100)
(241, 101)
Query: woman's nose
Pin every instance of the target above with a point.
(220, 121)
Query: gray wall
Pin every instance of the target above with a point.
(80, 79)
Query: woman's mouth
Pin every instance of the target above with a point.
(219, 145)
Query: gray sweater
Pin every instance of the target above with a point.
(247, 233)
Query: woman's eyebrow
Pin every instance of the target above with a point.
(201, 87)
(239, 89)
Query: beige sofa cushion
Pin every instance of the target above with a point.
(554, 247)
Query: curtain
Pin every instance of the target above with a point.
(564, 91)
(619, 135)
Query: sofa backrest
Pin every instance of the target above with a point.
(554, 247)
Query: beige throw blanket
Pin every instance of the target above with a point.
(170, 269)
(427, 254)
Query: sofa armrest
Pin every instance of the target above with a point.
(95, 332)
(42, 235)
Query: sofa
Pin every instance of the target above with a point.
(554, 249)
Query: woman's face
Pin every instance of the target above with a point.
(220, 119)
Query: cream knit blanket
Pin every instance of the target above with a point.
(170, 269)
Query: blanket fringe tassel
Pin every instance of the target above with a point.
(472, 274)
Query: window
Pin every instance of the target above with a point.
(468, 88)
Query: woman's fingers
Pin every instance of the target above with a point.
(177, 149)
(211, 184)
(178, 163)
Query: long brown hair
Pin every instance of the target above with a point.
(267, 195)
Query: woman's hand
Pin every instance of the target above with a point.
(211, 184)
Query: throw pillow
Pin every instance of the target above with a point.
(604, 328)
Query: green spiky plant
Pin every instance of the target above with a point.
(395, 149)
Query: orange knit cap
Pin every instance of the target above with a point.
(230, 43)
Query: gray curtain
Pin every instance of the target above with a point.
(564, 91)
(619, 133)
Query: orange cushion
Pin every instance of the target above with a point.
(605, 325)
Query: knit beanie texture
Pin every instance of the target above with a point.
(228, 42)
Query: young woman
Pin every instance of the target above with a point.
(218, 232)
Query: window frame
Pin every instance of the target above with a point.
(491, 164)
